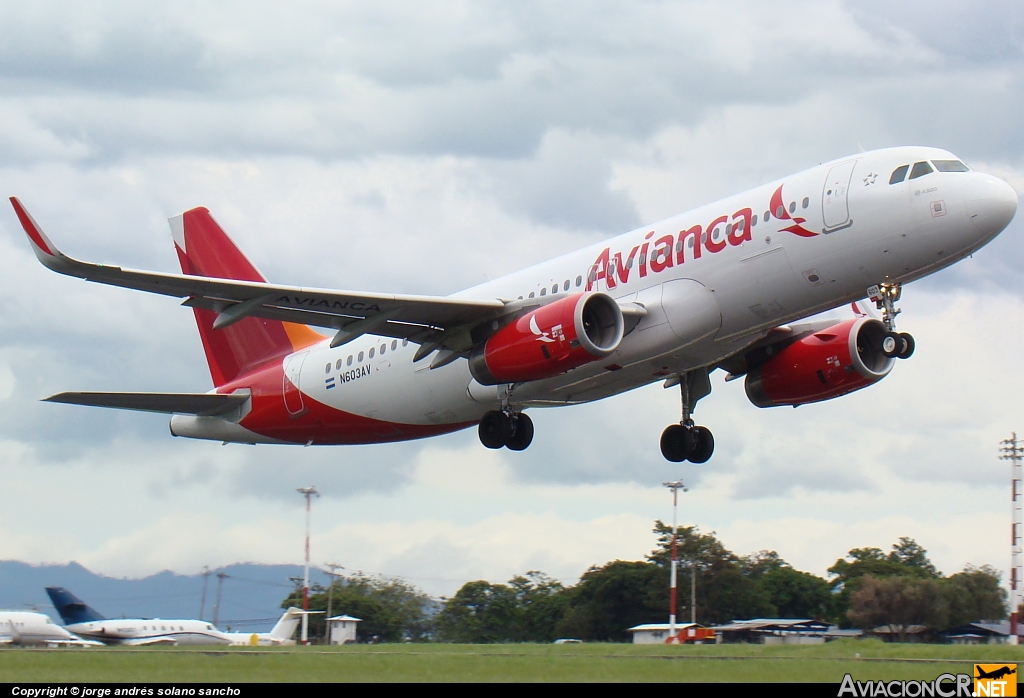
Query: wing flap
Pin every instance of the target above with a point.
(200, 404)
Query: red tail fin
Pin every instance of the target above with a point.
(204, 249)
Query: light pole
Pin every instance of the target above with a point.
(331, 567)
(216, 608)
(202, 602)
(675, 486)
(308, 493)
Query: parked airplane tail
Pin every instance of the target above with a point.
(71, 608)
(285, 627)
(233, 343)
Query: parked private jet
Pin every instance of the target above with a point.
(86, 621)
(283, 633)
(720, 287)
(32, 628)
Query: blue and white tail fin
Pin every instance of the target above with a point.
(71, 608)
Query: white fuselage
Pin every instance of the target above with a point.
(842, 228)
(141, 631)
(30, 628)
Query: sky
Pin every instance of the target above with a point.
(428, 147)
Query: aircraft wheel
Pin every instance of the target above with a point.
(677, 443)
(495, 429)
(522, 435)
(892, 344)
(705, 445)
(908, 345)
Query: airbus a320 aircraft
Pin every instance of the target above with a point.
(715, 288)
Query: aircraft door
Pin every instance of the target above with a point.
(290, 384)
(835, 208)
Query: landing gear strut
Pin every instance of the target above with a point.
(686, 441)
(899, 345)
(500, 428)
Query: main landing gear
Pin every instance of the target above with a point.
(507, 428)
(895, 345)
(686, 441)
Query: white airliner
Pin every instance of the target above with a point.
(283, 633)
(31, 628)
(718, 287)
(85, 621)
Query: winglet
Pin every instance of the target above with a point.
(41, 245)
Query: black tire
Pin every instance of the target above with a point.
(522, 435)
(677, 443)
(495, 429)
(892, 344)
(908, 345)
(705, 445)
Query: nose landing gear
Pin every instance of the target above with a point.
(898, 345)
(687, 441)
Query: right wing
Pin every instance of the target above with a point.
(432, 321)
(200, 404)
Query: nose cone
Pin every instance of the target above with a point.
(991, 204)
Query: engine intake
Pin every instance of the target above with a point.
(550, 340)
(823, 365)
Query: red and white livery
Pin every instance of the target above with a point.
(719, 287)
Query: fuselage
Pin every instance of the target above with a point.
(114, 631)
(30, 628)
(711, 282)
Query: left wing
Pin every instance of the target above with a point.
(432, 321)
(141, 641)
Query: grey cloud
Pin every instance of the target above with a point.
(565, 185)
(480, 79)
(961, 32)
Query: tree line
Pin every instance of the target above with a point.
(867, 588)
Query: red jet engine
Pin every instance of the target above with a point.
(550, 340)
(823, 365)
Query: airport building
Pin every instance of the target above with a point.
(342, 629)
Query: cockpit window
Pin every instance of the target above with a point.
(899, 174)
(950, 166)
(920, 170)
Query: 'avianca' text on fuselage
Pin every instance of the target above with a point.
(724, 286)
(672, 250)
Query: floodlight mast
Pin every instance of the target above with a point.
(675, 486)
(1013, 450)
(308, 493)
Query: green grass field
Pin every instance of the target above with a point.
(436, 662)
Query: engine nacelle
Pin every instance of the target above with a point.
(550, 340)
(829, 363)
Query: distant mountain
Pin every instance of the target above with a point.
(251, 594)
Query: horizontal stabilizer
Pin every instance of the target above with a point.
(199, 404)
